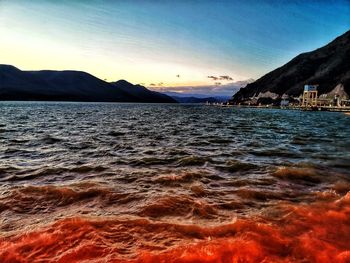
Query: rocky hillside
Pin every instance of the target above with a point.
(327, 66)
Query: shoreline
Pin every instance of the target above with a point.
(321, 108)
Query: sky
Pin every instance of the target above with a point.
(167, 45)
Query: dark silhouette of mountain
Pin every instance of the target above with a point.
(327, 66)
(141, 93)
(192, 99)
(196, 97)
(67, 85)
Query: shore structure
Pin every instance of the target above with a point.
(309, 96)
(336, 100)
(310, 100)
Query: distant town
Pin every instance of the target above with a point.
(335, 100)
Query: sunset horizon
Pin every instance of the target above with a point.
(121, 40)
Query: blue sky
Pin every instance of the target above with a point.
(152, 42)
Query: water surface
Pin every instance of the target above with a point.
(172, 183)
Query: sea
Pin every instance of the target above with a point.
(124, 182)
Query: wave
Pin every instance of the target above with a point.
(276, 152)
(318, 232)
(308, 174)
(48, 170)
(49, 139)
(42, 199)
(177, 161)
(177, 206)
(116, 133)
(236, 166)
(220, 141)
(176, 178)
(148, 161)
(261, 195)
(193, 160)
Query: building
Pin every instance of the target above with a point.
(335, 98)
(309, 96)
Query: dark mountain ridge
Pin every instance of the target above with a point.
(140, 92)
(327, 67)
(69, 85)
(192, 99)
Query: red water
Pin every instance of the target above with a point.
(317, 232)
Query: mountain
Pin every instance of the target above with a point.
(141, 93)
(68, 85)
(327, 67)
(195, 98)
(182, 95)
(192, 99)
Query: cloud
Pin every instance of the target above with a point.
(213, 78)
(227, 89)
(160, 84)
(223, 77)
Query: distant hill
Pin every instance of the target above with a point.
(67, 85)
(141, 93)
(200, 100)
(195, 98)
(327, 66)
